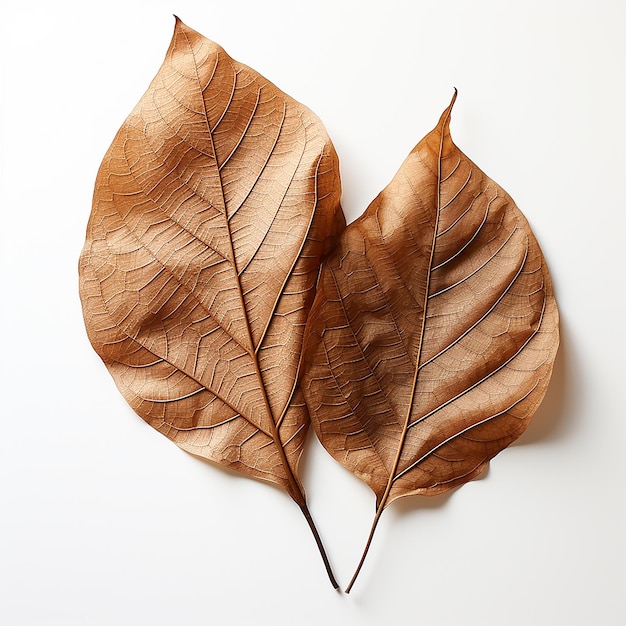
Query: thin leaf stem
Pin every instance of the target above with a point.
(367, 546)
(318, 540)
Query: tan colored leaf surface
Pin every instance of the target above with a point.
(212, 209)
(434, 329)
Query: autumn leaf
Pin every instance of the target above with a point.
(212, 209)
(434, 330)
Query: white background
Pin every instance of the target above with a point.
(104, 521)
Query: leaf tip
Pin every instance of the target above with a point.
(448, 110)
(180, 25)
(444, 120)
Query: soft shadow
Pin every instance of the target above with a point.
(410, 504)
(231, 474)
(551, 421)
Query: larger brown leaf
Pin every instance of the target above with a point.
(212, 209)
(434, 329)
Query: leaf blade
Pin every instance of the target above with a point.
(440, 301)
(212, 209)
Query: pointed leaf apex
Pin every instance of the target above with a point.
(179, 25)
(444, 120)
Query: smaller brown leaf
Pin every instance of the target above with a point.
(434, 329)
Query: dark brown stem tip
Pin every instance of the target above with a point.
(320, 545)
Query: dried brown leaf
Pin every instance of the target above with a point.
(434, 330)
(212, 210)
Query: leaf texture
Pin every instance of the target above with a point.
(212, 209)
(434, 330)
